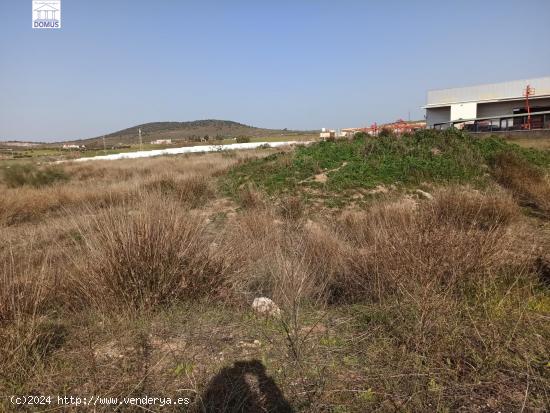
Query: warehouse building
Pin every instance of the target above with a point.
(507, 106)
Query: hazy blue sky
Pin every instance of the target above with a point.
(300, 64)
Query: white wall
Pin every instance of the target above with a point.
(464, 111)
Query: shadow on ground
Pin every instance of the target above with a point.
(245, 387)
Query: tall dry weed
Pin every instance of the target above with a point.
(250, 197)
(528, 183)
(466, 208)
(280, 258)
(28, 299)
(25, 287)
(191, 190)
(458, 237)
(25, 204)
(140, 257)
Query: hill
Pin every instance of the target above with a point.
(193, 130)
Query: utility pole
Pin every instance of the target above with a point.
(140, 141)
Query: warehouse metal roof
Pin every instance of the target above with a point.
(492, 92)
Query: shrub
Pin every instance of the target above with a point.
(466, 208)
(145, 257)
(291, 207)
(28, 174)
(404, 251)
(243, 139)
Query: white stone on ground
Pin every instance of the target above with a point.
(264, 305)
(424, 194)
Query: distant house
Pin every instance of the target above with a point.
(73, 146)
(341, 133)
(400, 126)
(327, 134)
(349, 132)
(162, 142)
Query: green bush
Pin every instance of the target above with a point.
(493, 147)
(243, 139)
(27, 174)
(450, 156)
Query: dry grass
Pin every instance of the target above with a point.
(23, 291)
(441, 244)
(536, 143)
(193, 191)
(106, 183)
(291, 207)
(144, 257)
(250, 197)
(274, 259)
(527, 182)
(135, 284)
(25, 204)
(393, 247)
(29, 294)
(467, 208)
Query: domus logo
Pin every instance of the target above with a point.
(46, 14)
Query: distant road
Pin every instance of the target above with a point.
(187, 149)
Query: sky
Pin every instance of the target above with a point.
(298, 64)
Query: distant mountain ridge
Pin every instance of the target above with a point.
(192, 130)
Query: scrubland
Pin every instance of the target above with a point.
(412, 274)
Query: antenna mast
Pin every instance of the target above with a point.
(529, 91)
